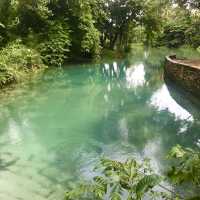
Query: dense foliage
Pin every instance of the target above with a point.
(186, 167)
(119, 180)
(55, 46)
(69, 29)
(133, 180)
(91, 25)
(16, 60)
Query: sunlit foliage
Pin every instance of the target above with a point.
(16, 60)
(56, 43)
(186, 167)
(119, 180)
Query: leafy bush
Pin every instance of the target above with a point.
(186, 167)
(119, 179)
(85, 37)
(15, 60)
(31, 14)
(132, 180)
(173, 36)
(192, 33)
(56, 46)
(90, 43)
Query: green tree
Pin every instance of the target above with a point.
(189, 3)
(121, 13)
(85, 36)
(56, 43)
(152, 20)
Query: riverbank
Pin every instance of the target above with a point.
(17, 61)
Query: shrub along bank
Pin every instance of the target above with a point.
(16, 60)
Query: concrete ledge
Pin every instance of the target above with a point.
(185, 73)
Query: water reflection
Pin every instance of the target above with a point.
(14, 132)
(62, 123)
(113, 70)
(151, 150)
(162, 100)
(184, 99)
(116, 69)
(123, 129)
(135, 76)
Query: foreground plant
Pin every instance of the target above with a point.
(186, 166)
(132, 180)
(120, 180)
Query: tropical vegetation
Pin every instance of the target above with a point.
(62, 30)
(133, 180)
(35, 34)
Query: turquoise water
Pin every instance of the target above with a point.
(54, 128)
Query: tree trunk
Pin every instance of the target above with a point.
(113, 41)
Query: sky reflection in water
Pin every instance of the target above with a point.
(162, 100)
(135, 76)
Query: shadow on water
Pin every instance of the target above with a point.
(184, 98)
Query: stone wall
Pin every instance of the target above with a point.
(184, 75)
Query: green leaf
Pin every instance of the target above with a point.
(2, 25)
(116, 192)
(99, 191)
(176, 152)
(115, 196)
(147, 183)
(100, 180)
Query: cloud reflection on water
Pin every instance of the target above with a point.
(162, 100)
(135, 76)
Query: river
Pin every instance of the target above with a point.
(54, 128)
